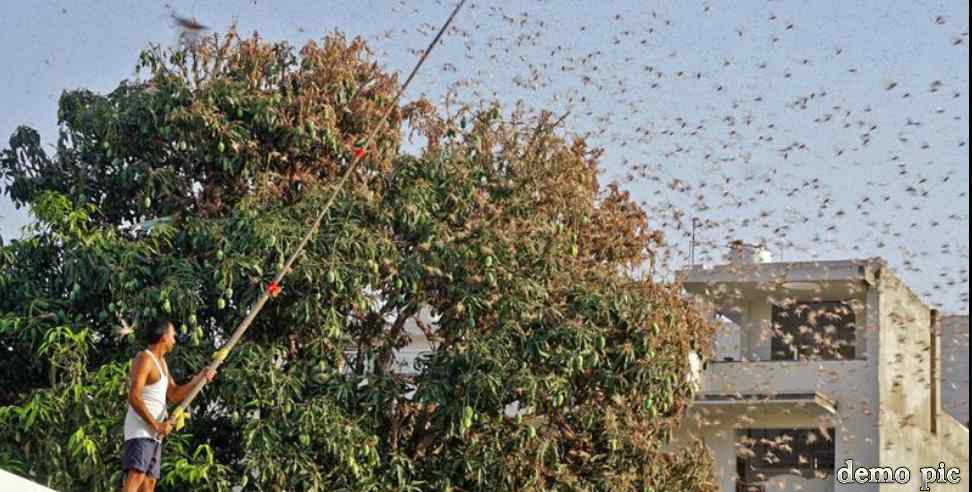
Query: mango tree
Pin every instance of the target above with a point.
(178, 195)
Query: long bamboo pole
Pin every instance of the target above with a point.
(274, 286)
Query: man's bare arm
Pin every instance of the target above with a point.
(179, 392)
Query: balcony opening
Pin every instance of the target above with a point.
(762, 454)
(813, 331)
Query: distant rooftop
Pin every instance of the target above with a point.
(782, 272)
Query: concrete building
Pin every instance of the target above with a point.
(817, 363)
(955, 366)
(11, 482)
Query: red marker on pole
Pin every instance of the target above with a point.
(274, 287)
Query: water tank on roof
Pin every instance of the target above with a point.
(740, 252)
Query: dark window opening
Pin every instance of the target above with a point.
(765, 453)
(814, 331)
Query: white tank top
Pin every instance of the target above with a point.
(154, 397)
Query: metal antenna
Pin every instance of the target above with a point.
(695, 223)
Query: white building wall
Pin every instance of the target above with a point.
(914, 431)
(852, 384)
(886, 411)
(12, 483)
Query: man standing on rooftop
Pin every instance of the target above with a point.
(145, 426)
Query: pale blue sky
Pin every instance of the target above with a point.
(727, 102)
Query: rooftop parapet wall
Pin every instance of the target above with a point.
(907, 356)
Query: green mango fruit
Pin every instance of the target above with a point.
(221, 303)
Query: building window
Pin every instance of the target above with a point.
(815, 330)
(765, 453)
(403, 361)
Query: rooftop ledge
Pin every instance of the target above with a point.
(779, 272)
(817, 400)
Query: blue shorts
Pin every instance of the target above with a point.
(143, 454)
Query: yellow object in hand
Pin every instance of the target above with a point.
(180, 417)
(220, 355)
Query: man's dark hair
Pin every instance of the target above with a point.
(157, 330)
